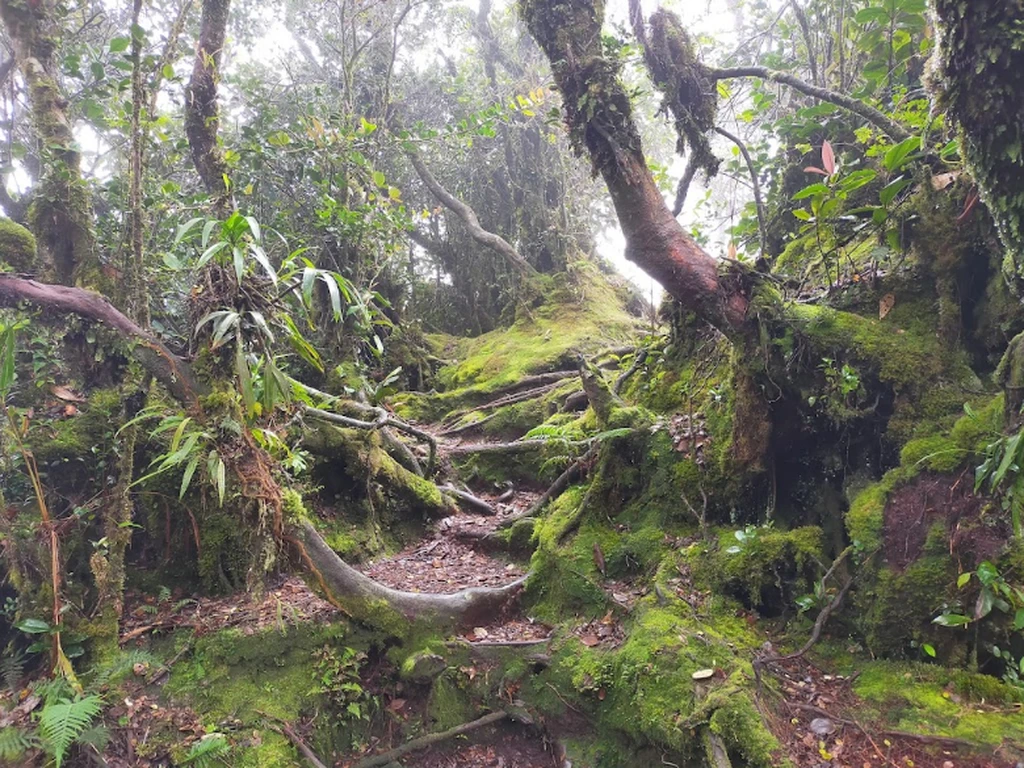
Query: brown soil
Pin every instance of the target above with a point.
(947, 498)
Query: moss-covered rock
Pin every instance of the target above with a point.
(17, 247)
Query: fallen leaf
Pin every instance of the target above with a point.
(590, 640)
(885, 305)
(480, 633)
(64, 393)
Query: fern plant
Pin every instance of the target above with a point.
(63, 722)
(207, 751)
(14, 743)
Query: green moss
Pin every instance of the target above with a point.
(449, 703)
(919, 698)
(897, 607)
(767, 568)
(17, 246)
(583, 315)
(231, 675)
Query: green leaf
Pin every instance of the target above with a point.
(119, 44)
(890, 191)
(1009, 457)
(33, 626)
(1018, 620)
(238, 260)
(928, 649)
(898, 155)
(184, 229)
(951, 620)
(210, 252)
(208, 228)
(379, 178)
(987, 573)
(176, 440)
(810, 190)
(963, 579)
(244, 379)
(984, 603)
(254, 227)
(186, 478)
(261, 256)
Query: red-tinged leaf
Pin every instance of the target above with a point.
(969, 204)
(812, 169)
(396, 704)
(828, 158)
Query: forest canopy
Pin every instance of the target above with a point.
(343, 424)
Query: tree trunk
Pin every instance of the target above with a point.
(202, 115)
(599, 114)
(982, 81)
(61, 213)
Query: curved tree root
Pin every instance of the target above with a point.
(390, 609)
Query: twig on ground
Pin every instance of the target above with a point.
(429, 740)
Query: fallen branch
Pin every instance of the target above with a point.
(469, 499)
(429, 740)
(289, 733)
(573, 472)
(946, 741)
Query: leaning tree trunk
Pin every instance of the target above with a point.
(61, 212)
(599, 114)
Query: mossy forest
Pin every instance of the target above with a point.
(512, 383)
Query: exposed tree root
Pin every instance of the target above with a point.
(574, 472)
(390, 609)
(519, 446)
(639, 360)
(364, 456)
(383, 420)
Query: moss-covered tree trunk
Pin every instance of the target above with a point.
(982, 82)
(61, 211)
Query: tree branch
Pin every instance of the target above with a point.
(762, 216)
(467, 215)
(202, 115)
(877, 118)
(166, 367)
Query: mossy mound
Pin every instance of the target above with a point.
(582, 314)
(17, 247)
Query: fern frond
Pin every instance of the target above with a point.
(122, 665)
(62, 723)
(12, 669)
(205, 752)
(14, 742)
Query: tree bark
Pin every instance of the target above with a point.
(982, 84)
(202, 115)
(599, 115)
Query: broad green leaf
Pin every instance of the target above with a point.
(119, 44)
(963, 579)
(185, 228)
(208, 228)
(33, 626)
(210, 252)
(951, 620)
(896, 156)
(810, 190)
(890, 191)
(928, 649)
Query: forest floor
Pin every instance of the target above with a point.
(818, 718)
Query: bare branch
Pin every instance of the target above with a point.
(858, 107)
(762, 216)
(467, 215)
